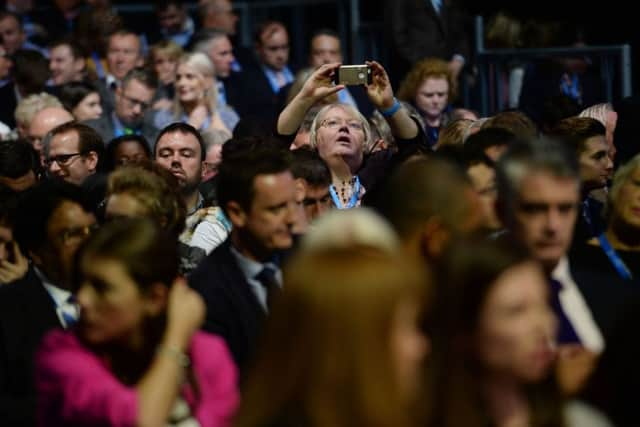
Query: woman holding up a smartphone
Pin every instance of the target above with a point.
(342, 135)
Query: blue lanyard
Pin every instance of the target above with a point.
(119, 130)
(619, 265)
(354, 197)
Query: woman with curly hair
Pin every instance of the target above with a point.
(430, 88)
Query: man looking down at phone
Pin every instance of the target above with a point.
(342, 136)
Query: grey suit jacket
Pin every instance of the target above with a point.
(104, 126)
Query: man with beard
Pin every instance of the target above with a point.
(181, 150)
(132, 100)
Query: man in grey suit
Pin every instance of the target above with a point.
(132, 102)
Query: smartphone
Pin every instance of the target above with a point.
(353, 75)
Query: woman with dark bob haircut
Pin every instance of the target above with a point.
(81, 99)
(136, 357)
(343, 346)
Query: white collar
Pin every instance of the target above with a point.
(60, 296)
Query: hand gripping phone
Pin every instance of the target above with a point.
(353, 75)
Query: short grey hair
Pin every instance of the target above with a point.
(317, 121)
(29, 106)
(528, 156)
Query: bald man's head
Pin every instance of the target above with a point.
(43, 122)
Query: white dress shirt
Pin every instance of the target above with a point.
(576, 308)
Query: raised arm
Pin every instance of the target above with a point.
(318, 86)
(381, 96)
(159, 387)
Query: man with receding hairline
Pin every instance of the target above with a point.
(264, 81)
(42, 123)
(124, 53)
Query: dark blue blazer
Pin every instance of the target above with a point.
(233, 311)
(27, 313)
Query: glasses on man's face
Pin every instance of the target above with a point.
(63, 160)
(336, 123)
(136, 102)
(74, 235)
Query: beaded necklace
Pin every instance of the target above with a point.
(346, 200)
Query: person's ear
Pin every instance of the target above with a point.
(78, 64)
(434, 239)
(236, 214)
(156, 299)
(91, 160)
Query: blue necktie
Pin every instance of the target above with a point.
(68, 318)
(566, 333)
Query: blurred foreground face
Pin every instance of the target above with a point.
(67, 228)
(112, 306)
(516, 327)
(409, 347)
(545, 214)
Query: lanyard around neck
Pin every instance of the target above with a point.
(354, 197)
(615, 259)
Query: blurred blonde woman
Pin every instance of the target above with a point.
(343, 346)
(196, 96)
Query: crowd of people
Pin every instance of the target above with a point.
(193, 233)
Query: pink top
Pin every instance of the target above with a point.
(75, 387)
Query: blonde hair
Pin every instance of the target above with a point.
(30, 106)
(453, 133)
(317, 121)
(203, 66)
(343, 228)
(621, 176)
(166, 47)
(330, 331)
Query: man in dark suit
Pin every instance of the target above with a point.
(56, 224)
(238, 279)
(132, 103)
(538, 199)
(427, 29)
(263, 82)
(30, 74)
(325, 48)
(124, 53)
